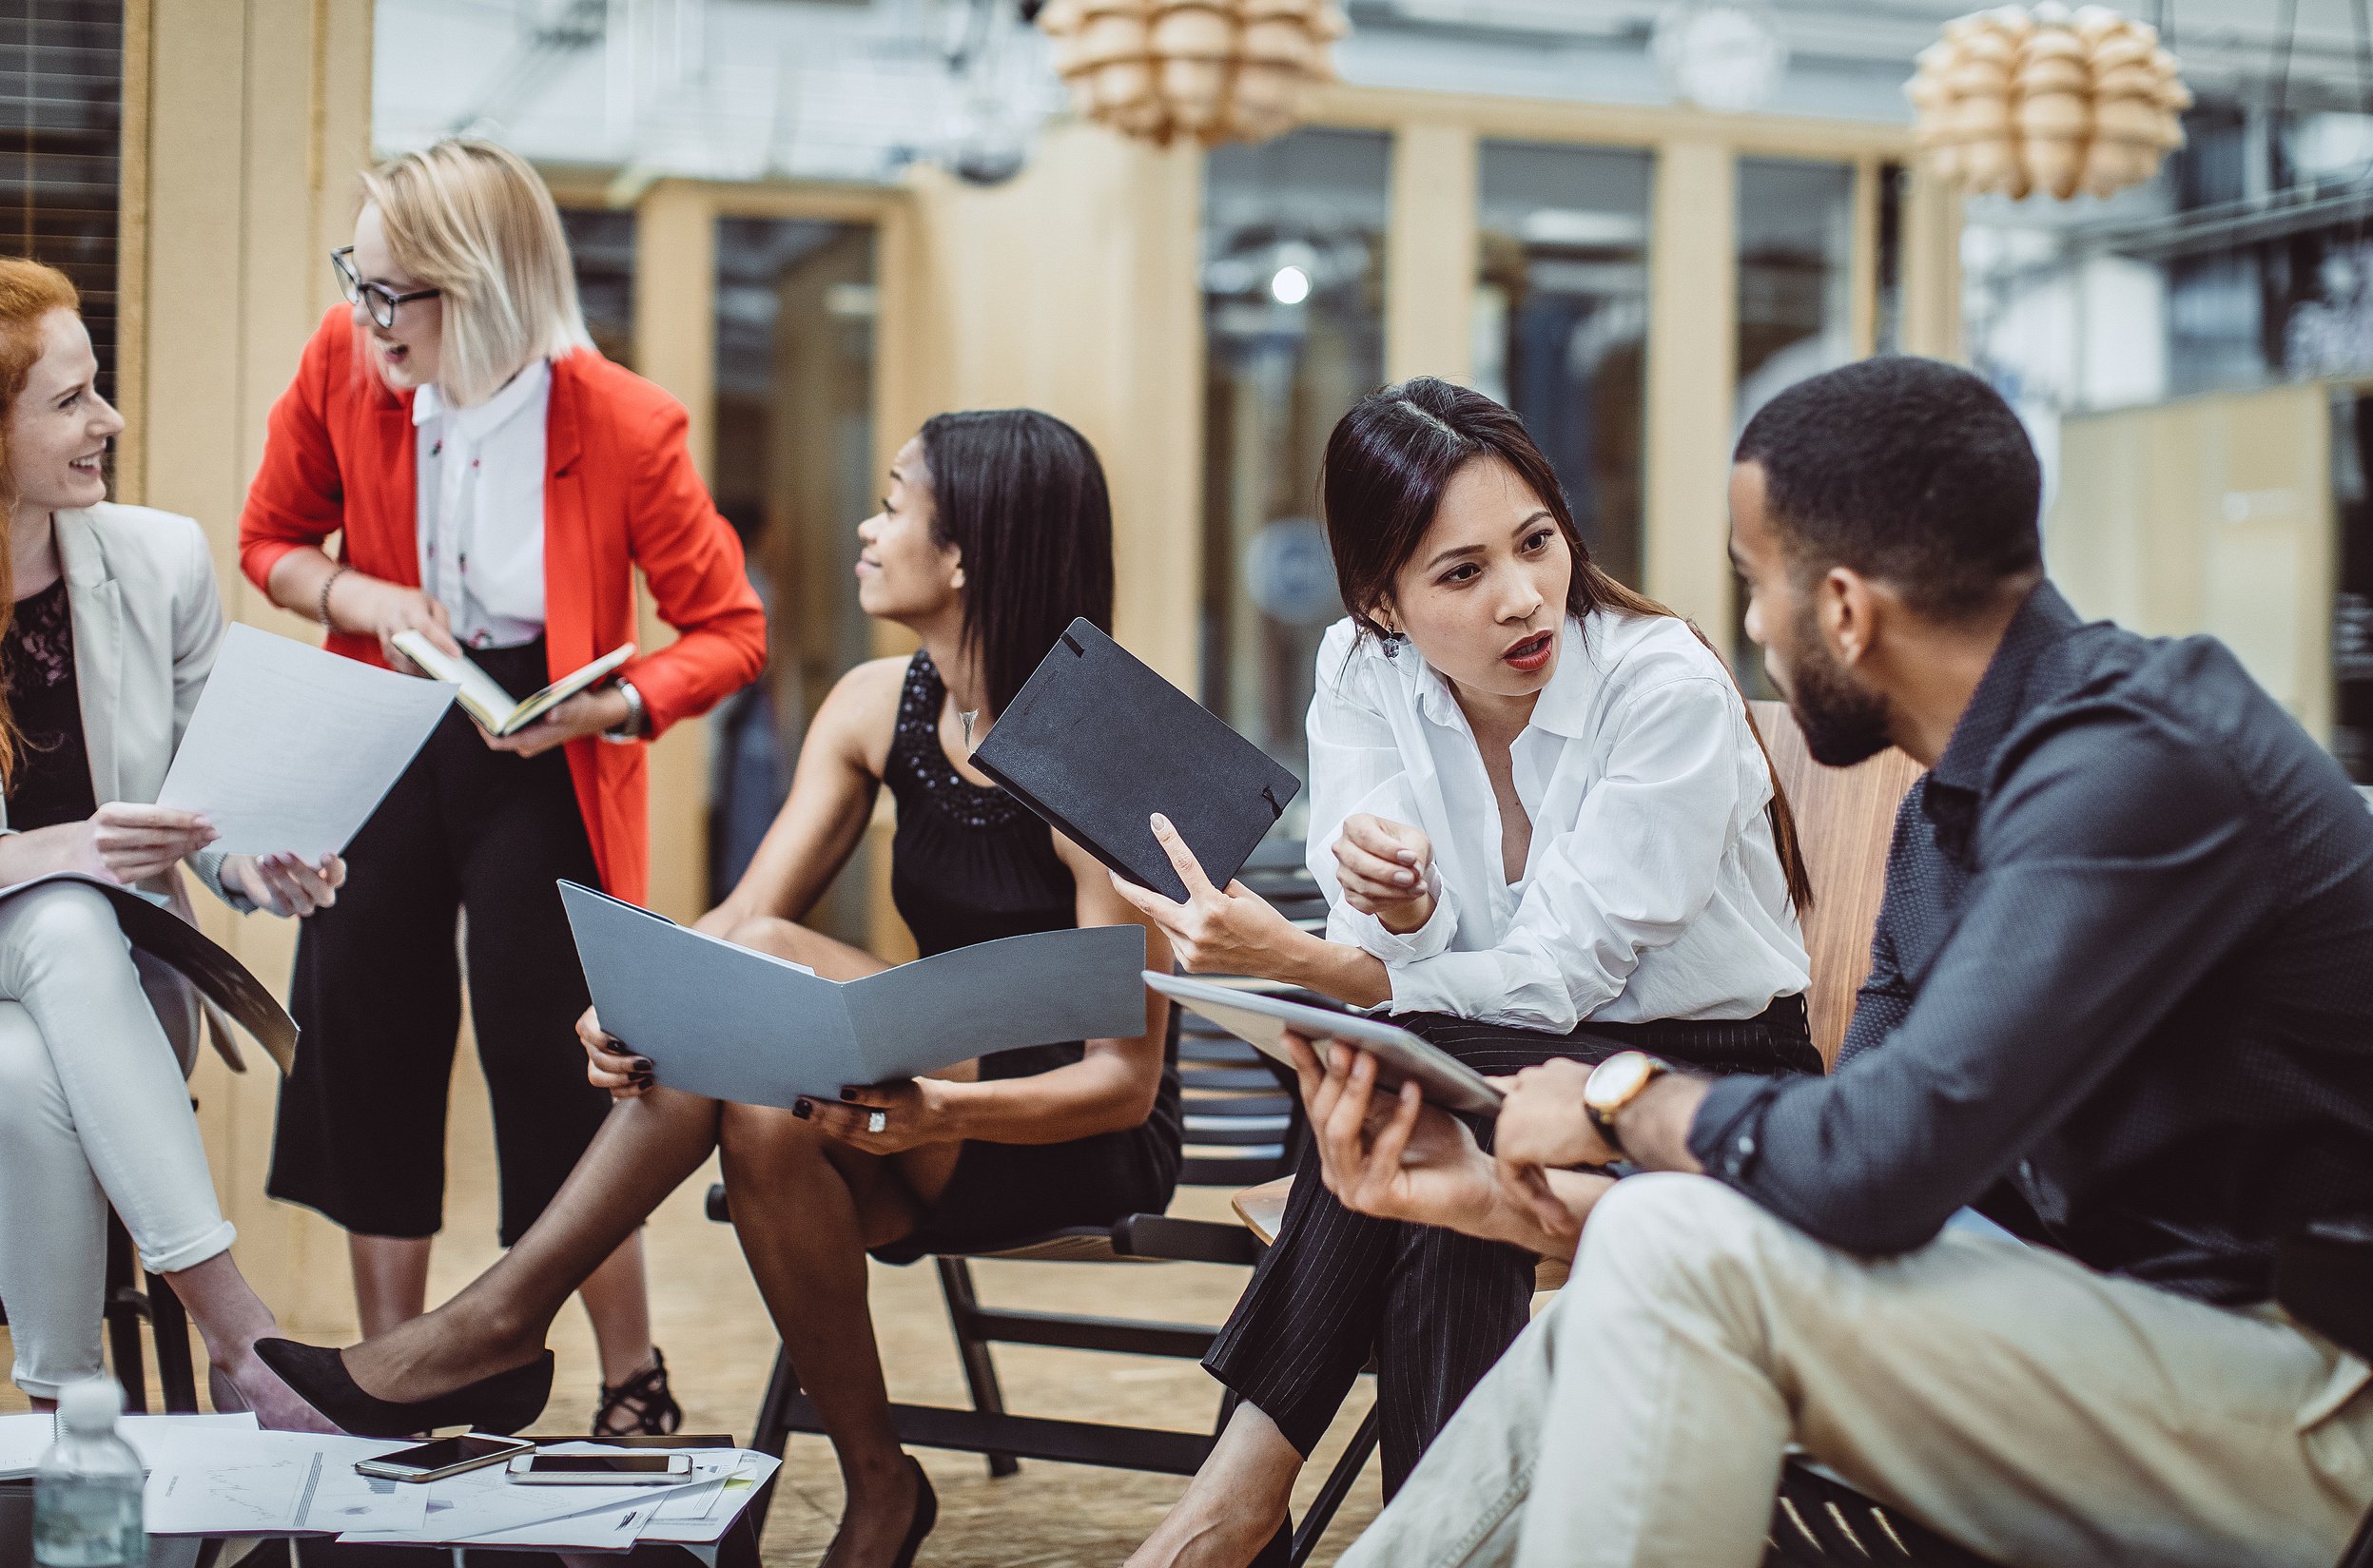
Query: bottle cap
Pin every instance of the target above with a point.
(90, 1406)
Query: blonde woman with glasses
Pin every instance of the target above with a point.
(494, 484)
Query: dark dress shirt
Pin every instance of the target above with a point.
(2121, 995)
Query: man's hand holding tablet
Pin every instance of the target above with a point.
(1400, 1157)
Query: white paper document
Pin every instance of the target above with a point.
(734, 1024)
(487, 1508)
(23, 1439)
(216, 1481)
(292, 748)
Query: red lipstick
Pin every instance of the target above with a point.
(1533, 654)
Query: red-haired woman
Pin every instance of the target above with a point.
(108, 626)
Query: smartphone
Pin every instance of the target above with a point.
(444, 1457)
(601, 1469)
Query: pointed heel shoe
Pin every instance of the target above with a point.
(501, 1404)
(926, 1515)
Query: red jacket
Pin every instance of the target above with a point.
(619, 492)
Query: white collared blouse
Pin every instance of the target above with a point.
(481, 508)
(1651, 889)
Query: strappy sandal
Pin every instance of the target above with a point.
(651, 1411)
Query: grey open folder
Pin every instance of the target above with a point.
(1261, 1021)
(737, 1024)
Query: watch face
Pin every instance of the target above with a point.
(1616, 1080)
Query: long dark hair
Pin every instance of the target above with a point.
(1021, 497)
(1387, 466)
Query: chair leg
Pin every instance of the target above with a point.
(169, 1323)
(773, 1430)
(963, 1307)
(124, 1310)
(1339, 1482)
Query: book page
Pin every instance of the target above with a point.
(564, 689)
(479, 697)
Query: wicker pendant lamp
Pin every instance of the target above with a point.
(2017, 100)
(1213, 71)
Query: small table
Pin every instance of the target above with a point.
(736, 1548)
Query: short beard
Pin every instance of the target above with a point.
(1843, 722)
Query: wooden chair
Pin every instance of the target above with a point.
(1243, 1123)
(1845, 820)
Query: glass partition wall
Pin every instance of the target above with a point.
(1796, 305)
(1561, 321)
(1293, 309)
(794, 315)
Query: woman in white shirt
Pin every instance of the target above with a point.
(1546, 827)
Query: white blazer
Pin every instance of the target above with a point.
(148, 621)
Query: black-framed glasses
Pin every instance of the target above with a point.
(378, 297)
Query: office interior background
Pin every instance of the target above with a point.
(818, 221)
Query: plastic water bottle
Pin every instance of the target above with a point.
(86, 1491)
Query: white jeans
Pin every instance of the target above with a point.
(93, 1109)
(2017, 1401)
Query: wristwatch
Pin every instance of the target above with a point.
(637, 723)
(1614, 1084)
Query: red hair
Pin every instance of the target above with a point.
(28, 292)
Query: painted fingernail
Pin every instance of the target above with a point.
(642, 1064)
(1405, 877)
(801, 1109)
(1162, 823)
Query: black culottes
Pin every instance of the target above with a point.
(466, 830)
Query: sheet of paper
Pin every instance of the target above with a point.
(223, 1481)
(21, 1440)
(292, 748)
(723, 1504)
(24, 1437)
(485, 1508)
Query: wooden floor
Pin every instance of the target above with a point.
(719, 1347)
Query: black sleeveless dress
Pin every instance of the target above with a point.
(968, 864)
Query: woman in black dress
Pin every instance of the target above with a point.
(996, 532)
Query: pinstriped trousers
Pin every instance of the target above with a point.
(1432, 1308)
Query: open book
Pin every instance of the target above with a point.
(495, 710)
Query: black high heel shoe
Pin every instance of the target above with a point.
(926, 1515)
(502, 1403)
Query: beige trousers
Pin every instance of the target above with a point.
(2018, 1402)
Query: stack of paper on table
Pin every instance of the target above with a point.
(485, 1508)
(220, 1476)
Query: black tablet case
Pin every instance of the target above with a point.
(1096, 742)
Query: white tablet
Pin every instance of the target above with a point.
(1261, 1022)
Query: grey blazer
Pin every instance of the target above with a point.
(148, 621)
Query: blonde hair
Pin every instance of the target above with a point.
(473, 220)
(28, 292)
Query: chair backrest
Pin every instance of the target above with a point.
(1845, 817)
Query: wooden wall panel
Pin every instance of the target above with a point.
(256, 125)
